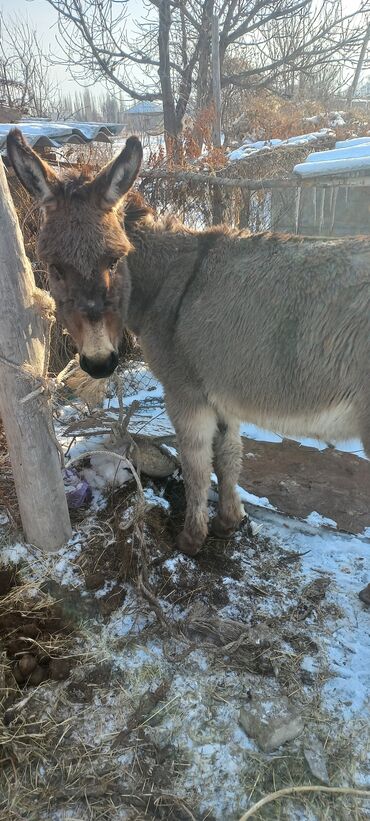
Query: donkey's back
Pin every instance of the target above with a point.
(277, 331)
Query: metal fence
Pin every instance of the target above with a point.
(328, 206)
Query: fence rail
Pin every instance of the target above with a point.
(330, 205)
(353, 179)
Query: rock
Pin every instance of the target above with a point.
(60, 668)
(147, 455)
(364, 595)
(18, 675)
(37, 676)
(271, 722)
(27, 664)
(315, 756)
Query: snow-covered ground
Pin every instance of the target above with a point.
(272, 614)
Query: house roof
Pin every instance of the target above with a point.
(43, 132)
(145, 107)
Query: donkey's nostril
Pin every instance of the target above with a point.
(99, 368)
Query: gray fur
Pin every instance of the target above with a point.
(269, 329)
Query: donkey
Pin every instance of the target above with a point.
(270, 329)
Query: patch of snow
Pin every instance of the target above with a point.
(259, 434)
(352, 142)
(13, 553)
(334, 166)
(155, 500)
(251, 499)
(317, 520)
(336, 119)
(361, 150)
(64, 570)
(346, 644)
(108, 586)
(245, 496)
(249, 147)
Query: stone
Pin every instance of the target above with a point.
(315, 756)
(364, 595)
(271, 722)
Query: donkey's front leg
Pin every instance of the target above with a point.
(195, 428)
(227, 464)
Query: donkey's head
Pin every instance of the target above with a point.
(84, 245)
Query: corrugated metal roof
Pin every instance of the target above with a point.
(145, 107)
(46, 133)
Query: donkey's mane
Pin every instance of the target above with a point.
(73, 180)
(136, 211)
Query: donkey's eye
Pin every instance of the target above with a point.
(112, 265)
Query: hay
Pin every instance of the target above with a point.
(91, 391)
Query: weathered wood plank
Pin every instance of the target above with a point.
(34, 457)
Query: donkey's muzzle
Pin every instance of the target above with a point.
(99, 368)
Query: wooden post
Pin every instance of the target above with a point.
(216, 82)
(33, 454)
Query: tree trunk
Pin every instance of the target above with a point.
(170, 121)
(361, 59)
(203, 85)
(34, 457)
(216, 82)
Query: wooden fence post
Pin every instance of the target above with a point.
(33, 453)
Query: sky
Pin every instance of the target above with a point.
(43, 17)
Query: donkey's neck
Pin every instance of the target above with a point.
(157, 254)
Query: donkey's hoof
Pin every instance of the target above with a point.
(221, 530)
(188, 545)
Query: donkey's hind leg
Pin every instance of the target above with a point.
(195, 427)
(227, 463)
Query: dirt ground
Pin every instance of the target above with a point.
(138, 683)
(298, 480)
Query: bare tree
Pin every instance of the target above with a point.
(25, 70)
(319, 42)
(167, 56)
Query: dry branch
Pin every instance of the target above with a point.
(300, 791)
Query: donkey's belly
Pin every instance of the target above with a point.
(334, 424)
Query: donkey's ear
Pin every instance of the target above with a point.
(36, 176)
(115, 179)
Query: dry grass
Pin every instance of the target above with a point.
(58, 753)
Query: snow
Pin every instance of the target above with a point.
(335, 166)
(318, 520)
(352, 142)
(56, 134)
(362, 150)
(155, 500)
(200, 713)
(346, 560)
(348, 155)
(13, 553)
(249, 147)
